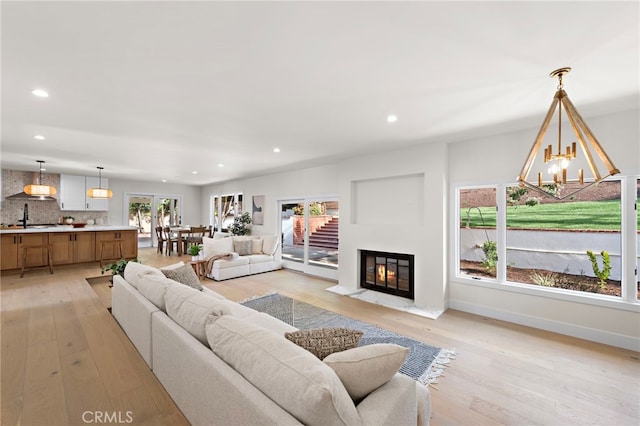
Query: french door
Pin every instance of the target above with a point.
(146, 211)
(309, 231)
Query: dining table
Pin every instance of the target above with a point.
(179, 230)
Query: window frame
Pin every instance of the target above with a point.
(629, 243)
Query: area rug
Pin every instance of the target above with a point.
(425, 363)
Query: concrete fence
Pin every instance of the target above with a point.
(556, 251)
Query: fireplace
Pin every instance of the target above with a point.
(387, 272)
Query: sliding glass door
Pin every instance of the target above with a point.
(309, 229)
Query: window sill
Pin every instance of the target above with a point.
(594, 299)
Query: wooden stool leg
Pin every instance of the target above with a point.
(49, 259)
(24, 261)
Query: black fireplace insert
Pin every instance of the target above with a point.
(387, 272)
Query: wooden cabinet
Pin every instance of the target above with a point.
(9, 251)
(129, 241)
(12, 245)
(73, 193)
(73, 247)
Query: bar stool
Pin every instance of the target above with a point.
(25, 250)
(117, 244)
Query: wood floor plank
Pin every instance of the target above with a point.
(504, 374)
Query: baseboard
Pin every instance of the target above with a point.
(594, 335)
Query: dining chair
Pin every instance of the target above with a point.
(170, 240)
(196, 233)
(161, 240)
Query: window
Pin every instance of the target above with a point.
(574, 245)
(224, 209)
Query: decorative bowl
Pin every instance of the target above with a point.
(78, 225)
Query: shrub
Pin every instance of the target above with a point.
(490, 260)
(603, 275)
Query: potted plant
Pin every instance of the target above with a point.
(194, 251)
(117, 268)
(68, 219)
(241, 224)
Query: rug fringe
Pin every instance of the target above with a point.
(436, 369)
(249, 299)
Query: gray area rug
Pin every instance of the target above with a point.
(425, 363)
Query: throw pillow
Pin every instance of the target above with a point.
(243, 248)
(364, 369)
(184, 275)
(134, 271)
(324, 341)
(256, 246)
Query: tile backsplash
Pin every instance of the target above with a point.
(40, 212)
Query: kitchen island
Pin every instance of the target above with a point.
(69, 245)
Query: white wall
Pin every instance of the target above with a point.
(315, 181)
(412, 222)
(498, 159)
(191, 202)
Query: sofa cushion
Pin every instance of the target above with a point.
(269, 244)
(184, 275)
(211, 246)
(364, 369)
(236, 261)
(283, 371)
(192, 309)
(154, 287)
(324, 341)
(260, 258)
(172, 266)
(269, 323)
(134, 270)
(243, 248)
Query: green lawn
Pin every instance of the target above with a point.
(587, 215)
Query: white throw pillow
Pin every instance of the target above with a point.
(173, 266)
(269, 244)
(365, 368)
(283, 371)
(256, 246)
(212, 246)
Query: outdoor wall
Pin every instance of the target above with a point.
(498, 159)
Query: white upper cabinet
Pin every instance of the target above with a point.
(73, 193)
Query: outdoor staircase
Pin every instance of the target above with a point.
(326, 236)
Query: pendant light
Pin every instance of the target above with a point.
(40, 190)
(559, 176)
(100, 192)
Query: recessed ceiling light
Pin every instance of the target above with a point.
(220, 165)
(40, 93)
(392, 118)
(276, 149)
(39, 137)
(195, 172)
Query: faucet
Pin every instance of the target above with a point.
(25, 215)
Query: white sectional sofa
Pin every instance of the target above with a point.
(226, 364)
(250, 255)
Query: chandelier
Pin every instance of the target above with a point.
(561, 176)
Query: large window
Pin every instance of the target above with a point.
(224, 209)
(573, 245)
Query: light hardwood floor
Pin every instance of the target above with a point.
(64, 356)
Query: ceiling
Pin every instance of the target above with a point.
(158, 90)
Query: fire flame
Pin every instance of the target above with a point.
(391, 275)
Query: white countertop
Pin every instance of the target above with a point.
(68, 228)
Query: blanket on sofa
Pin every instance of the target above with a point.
(209, 260)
